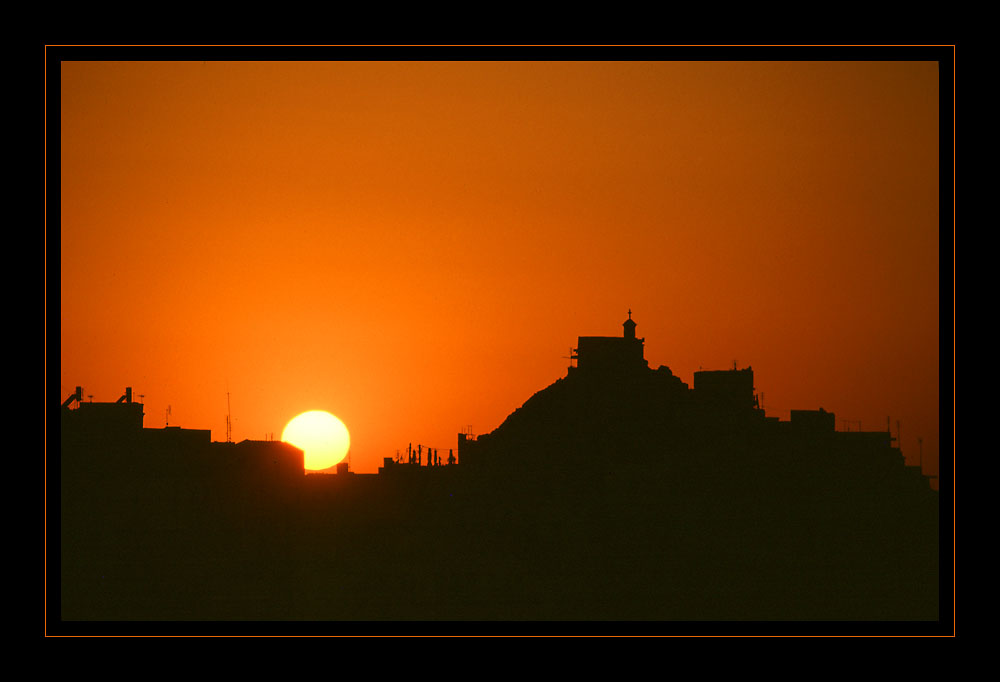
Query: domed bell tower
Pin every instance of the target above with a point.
(629, 326)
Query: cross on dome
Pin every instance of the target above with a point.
(629, 326)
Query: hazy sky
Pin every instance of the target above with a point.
(415, 247)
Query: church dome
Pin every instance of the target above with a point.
(629, 325)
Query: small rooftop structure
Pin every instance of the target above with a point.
(611, 354)
(730, 388)
(121, 416)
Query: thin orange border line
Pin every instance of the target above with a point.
(954, 347)
(45, 341)
(506, 45)
(954, 515)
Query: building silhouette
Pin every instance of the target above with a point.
(616, 493)
(610, 354)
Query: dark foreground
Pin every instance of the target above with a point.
(621, 546)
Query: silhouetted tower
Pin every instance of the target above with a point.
(629, 325)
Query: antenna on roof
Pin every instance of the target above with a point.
(167, 418)
(848, 422)
(229, 420)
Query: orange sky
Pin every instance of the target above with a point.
(415, 246)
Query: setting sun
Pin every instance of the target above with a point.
(323, 437)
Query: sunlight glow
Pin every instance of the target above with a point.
(323, 437)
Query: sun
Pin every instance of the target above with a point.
(322, 437)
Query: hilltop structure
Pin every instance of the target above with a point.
(611, 354)
(612, 411)
(618, 492)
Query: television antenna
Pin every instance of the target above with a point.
(847, 423)
(229, 420)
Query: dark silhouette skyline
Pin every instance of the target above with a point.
(617, 493)
(411, 243)
(389, 239)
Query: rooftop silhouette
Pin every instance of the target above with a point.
(616, 493)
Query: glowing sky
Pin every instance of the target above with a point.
(415, 246)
